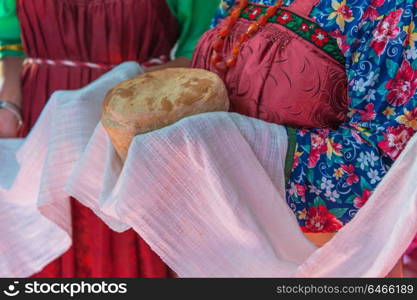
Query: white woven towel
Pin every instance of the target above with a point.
(206, 193)
(33, 172)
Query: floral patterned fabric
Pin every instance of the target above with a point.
(334, 171)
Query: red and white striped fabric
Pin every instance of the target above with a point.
(93, 65)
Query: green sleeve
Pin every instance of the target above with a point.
(10, 44)
(194, 17)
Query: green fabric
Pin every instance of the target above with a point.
(292, 143)
(9, 28)
(7, 53)
(194, 17)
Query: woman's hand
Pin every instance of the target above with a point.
(10, 90)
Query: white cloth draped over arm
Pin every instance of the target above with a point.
(198, 194)
(33, 172)
(206, 193)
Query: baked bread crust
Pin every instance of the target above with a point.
(154, 100)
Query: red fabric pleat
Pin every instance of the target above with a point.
(103, 31)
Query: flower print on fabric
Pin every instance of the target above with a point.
(255, 13)
(335, 171)
(403, 86)
(382, 74)
(360, 201)
(342, 13)
(320, 37)
(319, 219)
(387, 30)
(225, 5)
(371, 12)
(284, 18)
(395, 140)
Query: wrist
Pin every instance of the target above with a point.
(11, 94)
(10, 84)
(13, 109)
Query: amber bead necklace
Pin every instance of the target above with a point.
(217, 59)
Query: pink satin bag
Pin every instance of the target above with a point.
(281, 76)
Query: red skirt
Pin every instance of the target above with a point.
(106, 32)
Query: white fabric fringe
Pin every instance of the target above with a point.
(206, 193)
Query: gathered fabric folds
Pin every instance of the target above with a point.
(206, 193)
(35, 211)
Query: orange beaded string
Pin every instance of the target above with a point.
(217, 58)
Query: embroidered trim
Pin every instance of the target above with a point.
(304, 28)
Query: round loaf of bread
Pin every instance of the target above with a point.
(154, 100)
